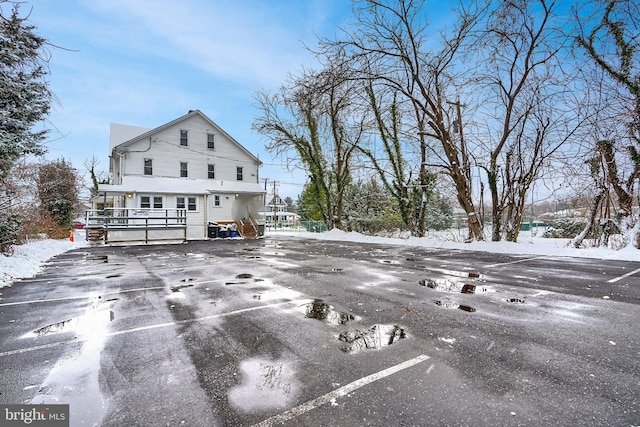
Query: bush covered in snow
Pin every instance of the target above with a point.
(567, 228)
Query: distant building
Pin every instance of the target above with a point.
(276, 213)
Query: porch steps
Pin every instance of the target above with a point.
(248, 229)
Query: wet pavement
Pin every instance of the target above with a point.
(287, 331)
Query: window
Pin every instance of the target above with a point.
(183, 170)
(191, 203)
(184, 141)
(145, 202)
(216, 200)
(239, 173)
(210, 141)
(148, 167)
(211, 171)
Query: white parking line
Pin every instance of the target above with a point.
(156, 326)
(624, 276)
(342, 391)
(514, 262)
(89, 296)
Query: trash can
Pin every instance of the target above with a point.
(213, 231)
(223, 232)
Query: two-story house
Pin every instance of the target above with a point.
(187, 167)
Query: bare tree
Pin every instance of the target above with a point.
(310, 123)
(522, 88)
(609, 37)
(390, 45)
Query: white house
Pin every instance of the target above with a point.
(276, 214)
(189, 170)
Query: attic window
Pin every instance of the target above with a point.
(183, 138)
(210, 141)
(239, 173)
(148, 167)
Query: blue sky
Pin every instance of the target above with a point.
(146, 62)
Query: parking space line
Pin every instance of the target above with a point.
(514, 262)
(156, 326)
(35, 301)
(624, 276)
(342, 391)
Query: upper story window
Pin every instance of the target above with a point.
(211, 171)
(216, 200)
(183, 170)
(148, 167)
(184, 140)
(211, 144)
(239, 173)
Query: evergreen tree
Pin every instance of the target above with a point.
(24, 93)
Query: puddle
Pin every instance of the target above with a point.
(178, 288)
(266, 385)
(95, 317)
(103, 258)
(244, 276)
(378, 336)
(75, 380)
(112, 276)
(320, 310)
(190, 279)
(464, 274)
(277, 294)
(516, 300)
(452, 304)
(452, 286)
(473, 289)
(443, 285)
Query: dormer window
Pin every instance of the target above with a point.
(184, 141)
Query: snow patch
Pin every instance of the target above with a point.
(28, 259)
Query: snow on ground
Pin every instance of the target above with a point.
(526, 245)
(29, 258)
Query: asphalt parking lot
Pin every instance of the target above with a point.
(288, 331)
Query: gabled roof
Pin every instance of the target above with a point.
(190, 114)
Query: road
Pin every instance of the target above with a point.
(288, 331)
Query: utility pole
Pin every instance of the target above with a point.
(275, 218)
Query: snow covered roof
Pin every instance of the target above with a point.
(159, 185)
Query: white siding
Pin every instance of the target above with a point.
(166, 153)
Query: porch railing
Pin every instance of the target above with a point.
(151, 221)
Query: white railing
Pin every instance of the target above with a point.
(143, 219)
